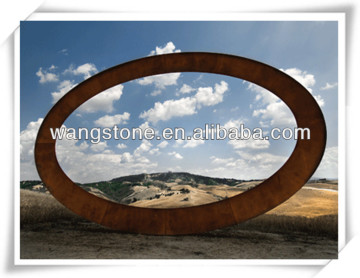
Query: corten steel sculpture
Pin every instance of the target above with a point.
(197, 219)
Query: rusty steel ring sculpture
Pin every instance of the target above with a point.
(197, 219)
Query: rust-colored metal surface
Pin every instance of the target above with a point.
(278, 188)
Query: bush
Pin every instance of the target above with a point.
(147, 184)
(184, 190)
(211, 182)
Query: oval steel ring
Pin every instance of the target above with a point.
(197, 219)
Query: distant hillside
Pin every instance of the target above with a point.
(171, 176)
(170, 189)
(35, 185)
(180, 186)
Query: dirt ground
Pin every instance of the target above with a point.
(67, 239)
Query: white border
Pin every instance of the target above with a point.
(17, 142)
(341, 131)
(181, 16)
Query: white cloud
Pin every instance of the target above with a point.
(145, 146)
(249, 144)
(78, 164)
(126, 158)
(169, 109)
(176, 155)
(168, 48)
(262, 94)
(252, 165)
(121, 146)
(185, 106)
(63, 88)
(248, 165)
(110, 121)
(144, 126)
(186, 89)
(179, 142)
(156, 93)
(27, 144)
(263, 158)
(163, 144)
(83, 146)
(222, 161)
(266, 161)
(47, 76)
(276, 112)
(135, 159)
(209, 97)
(245, 143)
(328, 167)
(234, 123)
(99, 147)
(64, 51)
(81, 166)
(329, 86)
(103, 101)
(143, 159)
(161, 81)
(155, 151)
(304, 78)
(192, 143)
(319, 100)
(86, 70)
(28, 136)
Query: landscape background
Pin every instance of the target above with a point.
(305, 226)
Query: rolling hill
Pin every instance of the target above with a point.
(181, 189)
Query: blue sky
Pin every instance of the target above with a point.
(55, 56)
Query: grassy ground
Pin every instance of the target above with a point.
(38, 207)
(50, 231)
(41, 208)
